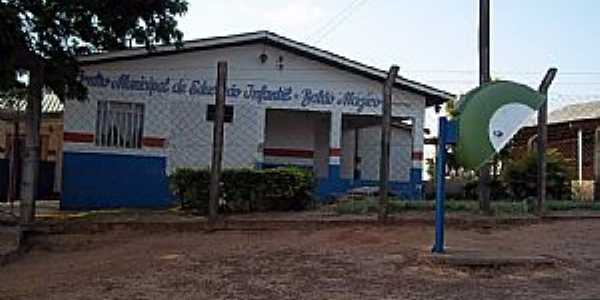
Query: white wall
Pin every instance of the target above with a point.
(348, 153)
(369, 150)
(180, 118)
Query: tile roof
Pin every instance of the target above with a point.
(579, 111)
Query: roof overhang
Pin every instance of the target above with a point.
(432, 95)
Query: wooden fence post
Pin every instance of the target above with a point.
(542, 137)
(217, 147)
(384, 168)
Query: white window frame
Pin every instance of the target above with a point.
(119, 124)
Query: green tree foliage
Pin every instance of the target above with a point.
(452, 108)
(52, 33)
(520, 175)
(45, 37)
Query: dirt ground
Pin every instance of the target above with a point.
(356, 262)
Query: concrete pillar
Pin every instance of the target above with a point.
(261, 122)
(335, 141)
(333, 185)
(416, 170)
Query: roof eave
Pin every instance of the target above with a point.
(432, 96)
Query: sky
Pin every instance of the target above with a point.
(433, 41)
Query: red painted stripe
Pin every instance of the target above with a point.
(153, 142)
(417, 155)
(78, 137)
(299, 153)
(335, 152)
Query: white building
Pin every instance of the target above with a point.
(149, 114)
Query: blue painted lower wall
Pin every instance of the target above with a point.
(334, 186)
(100, 180)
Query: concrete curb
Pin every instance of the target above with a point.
(242, 224)
(74, 227)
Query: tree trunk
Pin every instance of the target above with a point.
(14, 166)
(31, 161)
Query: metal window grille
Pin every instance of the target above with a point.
(119, 124)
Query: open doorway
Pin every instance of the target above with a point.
(361, 148)
(299, 138)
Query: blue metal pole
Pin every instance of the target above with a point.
(440, 181)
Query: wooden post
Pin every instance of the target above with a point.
(542, 136)
(217, 149)
(384, 168)
(484, 77)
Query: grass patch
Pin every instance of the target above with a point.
(369, 205)
(364, 206)
(572, 205)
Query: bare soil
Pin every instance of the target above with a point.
(8, 242)
(352, 262)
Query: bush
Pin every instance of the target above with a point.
(520, 175)
(246, 190)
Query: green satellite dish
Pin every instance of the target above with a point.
(489, 116)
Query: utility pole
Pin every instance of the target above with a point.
(31, 162)
(484, 77)
(384, 168)
(217, 150)
(542, 137)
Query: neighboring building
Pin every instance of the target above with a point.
(288, 103)
(51, 140)
(563, 127)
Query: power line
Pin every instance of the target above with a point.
(336, 21)
(470, 72)
(331, 20)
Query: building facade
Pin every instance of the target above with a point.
(51, 141)
(566, 126)
(149, 114)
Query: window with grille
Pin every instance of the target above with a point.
(120, 124)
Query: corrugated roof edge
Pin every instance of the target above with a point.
(557, 116)
(433, 95)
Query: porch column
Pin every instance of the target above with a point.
(416, 170)
(335, 141)
(261, 121)
(333, 186)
